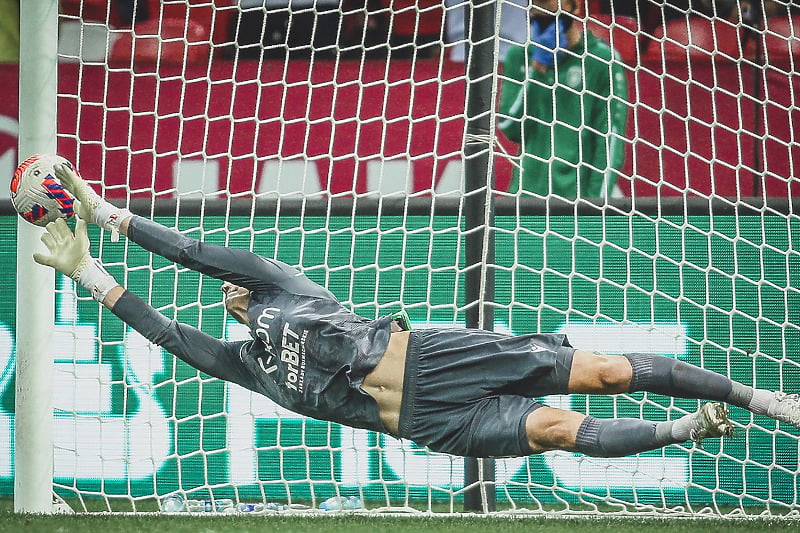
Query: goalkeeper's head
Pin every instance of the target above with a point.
(236, 300)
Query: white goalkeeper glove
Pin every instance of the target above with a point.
(89, 205)
(69, 254)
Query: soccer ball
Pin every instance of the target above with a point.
(37, 194)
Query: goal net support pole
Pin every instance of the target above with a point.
(33, 420)
(479, 279)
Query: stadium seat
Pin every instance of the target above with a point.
(697, 37)
(169, 42)
(594, 8)
(781, 38)
(91, 11)
(619, 31)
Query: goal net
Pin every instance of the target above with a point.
(335, 136)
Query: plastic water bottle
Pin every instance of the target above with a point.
(250, 507)
(274, 506)
(217, 506)
(208, 506)
(259, 507)
(341, 503)
(173, 504)
(194, 506)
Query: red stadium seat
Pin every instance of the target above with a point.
(169, 42)
(619, 31)
(594, 8)
(697, 37)
(419, 21)
(91, 11)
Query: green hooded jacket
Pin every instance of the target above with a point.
(570, 120)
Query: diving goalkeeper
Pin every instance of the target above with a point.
(464, 392)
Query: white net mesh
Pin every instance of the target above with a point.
(205, 114)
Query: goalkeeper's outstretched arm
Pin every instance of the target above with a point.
(69, 254)
(239, 267)
(90, 206)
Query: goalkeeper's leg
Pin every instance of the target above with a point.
(90, 206)
(555, 429)
(598, 374)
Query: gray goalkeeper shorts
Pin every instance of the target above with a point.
(468, 392)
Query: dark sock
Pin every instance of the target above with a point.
(618, 437)
(671, 377)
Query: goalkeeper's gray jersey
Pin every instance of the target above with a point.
(307, 353)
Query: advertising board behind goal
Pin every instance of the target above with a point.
(133, 421)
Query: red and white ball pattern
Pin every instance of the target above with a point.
(36, 192)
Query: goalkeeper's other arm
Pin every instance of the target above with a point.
(69, 254)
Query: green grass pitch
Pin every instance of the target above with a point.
(109, 523)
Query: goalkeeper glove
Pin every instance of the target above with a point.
(69, 254)
(89, 205)
(547, 40)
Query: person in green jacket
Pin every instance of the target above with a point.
(564, 99)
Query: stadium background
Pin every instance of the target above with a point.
(698, 129)
(707, 137)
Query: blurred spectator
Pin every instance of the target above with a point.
(564, 99)
(9, 31)
(513, 25)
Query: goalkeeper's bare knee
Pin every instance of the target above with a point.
(593, 373)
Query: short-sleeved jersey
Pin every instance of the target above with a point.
(308, 353)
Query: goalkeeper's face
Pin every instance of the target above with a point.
(236, 300)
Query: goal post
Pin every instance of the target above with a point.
(33, 420)
(338, 138)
